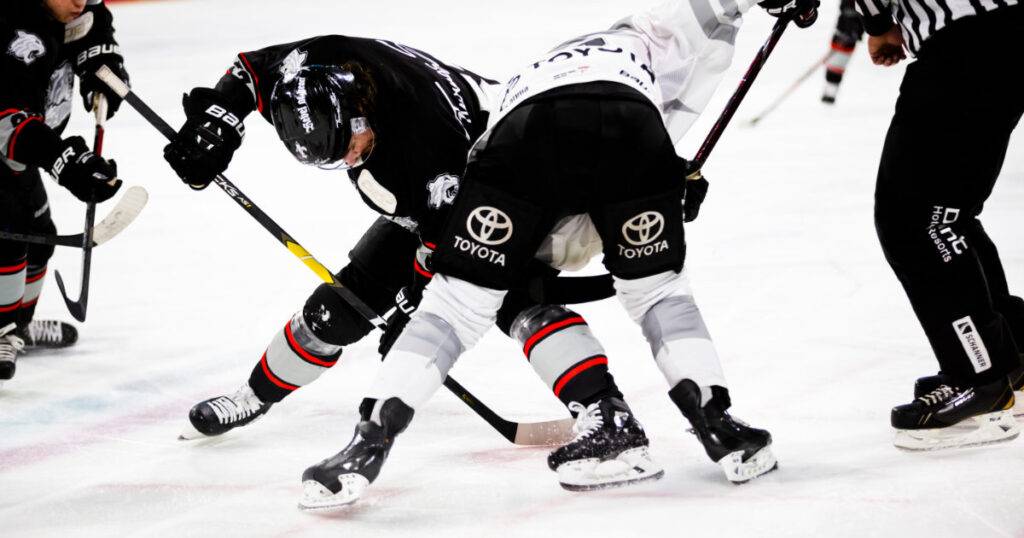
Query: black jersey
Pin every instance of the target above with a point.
(425, 115)
(36, 92)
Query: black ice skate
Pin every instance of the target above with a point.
(219, 415)
(609, 450)
(744, 453)
(926, 384)
(952, 417)
(48, 334)
(10, 346)
(341, 479)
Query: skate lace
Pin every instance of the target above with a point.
(48, 331)
(940, 394)
(239, 406)
(588, 419)
(10, 345)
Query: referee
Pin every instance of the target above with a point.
(958, 104)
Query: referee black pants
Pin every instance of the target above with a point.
(958, 104)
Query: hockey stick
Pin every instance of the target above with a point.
(78, 308)
(530, 432)
(789, 91)
(127, 208)
(737, 97)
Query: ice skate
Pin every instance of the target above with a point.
(48, 334)
(219, 415)
(954, 417)
(341, 479)
(10, 346)
(609, 450)
(926, 384)
(743, 452)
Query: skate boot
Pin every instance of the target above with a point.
(48, 334)
(952, 417)
(341, 479)
(743, 452)
(10, 346)
(219, 415)
(609, 450)
(926, 384)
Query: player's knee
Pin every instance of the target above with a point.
(639, 295)
(534, 320)
(333, 320)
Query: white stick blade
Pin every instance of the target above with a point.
(123, 214)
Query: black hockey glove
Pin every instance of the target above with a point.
(406, 302)
(88, 62)
(804, 12)
(694, 191)
(87, 175)
(205, 144)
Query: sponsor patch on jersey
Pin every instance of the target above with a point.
(642, 232)
(26, 47)
(441, 190)
(489, 225)
(971, 340)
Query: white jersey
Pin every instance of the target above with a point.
(674, 54)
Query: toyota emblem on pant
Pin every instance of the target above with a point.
(489, 225)
(643, 228)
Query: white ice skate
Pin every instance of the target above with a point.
(738, 471)
(629, 467)
(316, 496)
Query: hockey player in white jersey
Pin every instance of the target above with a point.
(589, 129)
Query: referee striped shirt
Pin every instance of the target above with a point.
(919, 19)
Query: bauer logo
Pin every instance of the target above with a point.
(971, 340)
(26, 47)
(489, 225)
(644, 228)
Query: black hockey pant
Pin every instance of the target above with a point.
(958, 104)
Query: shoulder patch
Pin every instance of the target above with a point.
(26, 47)
(441, 190)
(292, 63)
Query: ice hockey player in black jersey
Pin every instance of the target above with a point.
(849, 30)
(45, 44)
(399, 123)
(588, 129)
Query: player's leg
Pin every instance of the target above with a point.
(14, 216)
(40, 333)
(639, 218)
(311, 342)
(926, 215)
(849, 30)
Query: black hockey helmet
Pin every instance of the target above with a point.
(311, 110)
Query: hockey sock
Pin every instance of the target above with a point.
(565, 354)
(295, 357)
(12, 289)
(34, 278)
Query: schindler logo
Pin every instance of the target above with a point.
(975, 348)
(488, 226)
(642, 232)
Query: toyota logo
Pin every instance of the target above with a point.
(489, 225)
(643, 228)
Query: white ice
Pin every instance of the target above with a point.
(816, 336)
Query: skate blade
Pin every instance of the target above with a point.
(630, 467)
(190, 433)
(738, 471)
(981, 430)
(316, 497)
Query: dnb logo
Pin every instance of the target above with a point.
(488, 227)
(642, 232)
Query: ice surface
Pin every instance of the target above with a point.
(816, 336)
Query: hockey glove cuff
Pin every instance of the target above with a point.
(695, 189)
(87, 175)
(205, 144)
(88, 62)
